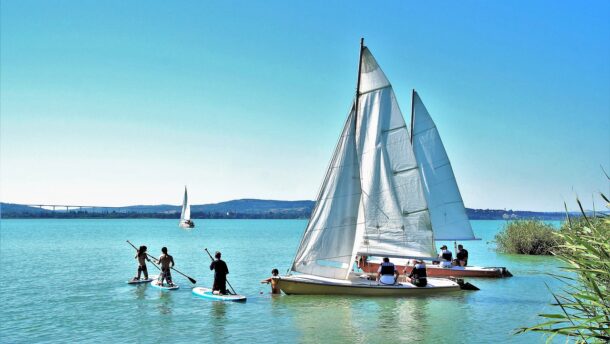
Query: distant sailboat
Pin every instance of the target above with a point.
(185, 216)
(371, 202)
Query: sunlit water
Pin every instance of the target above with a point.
(64, 281)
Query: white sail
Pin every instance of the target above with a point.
(327, 245)
(397, 222)
(186, 208)
(447, 212)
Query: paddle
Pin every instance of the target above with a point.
(212, 258)
(192, 280)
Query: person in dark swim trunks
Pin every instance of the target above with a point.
(462, 256)
(220, 275)
(142, 258)
(166, 262)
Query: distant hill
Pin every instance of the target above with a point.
(235, 209)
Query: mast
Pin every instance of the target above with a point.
(358, 82)
(412, 112)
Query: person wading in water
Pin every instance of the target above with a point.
(142, 258)
(166, 262)
(273, 281)
(220, 275)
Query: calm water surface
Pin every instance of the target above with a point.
(64, 281)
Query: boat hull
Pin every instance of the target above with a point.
(295, 285)
(187, 225)
(456, 271)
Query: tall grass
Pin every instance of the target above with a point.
(583, 313)
(527, 237)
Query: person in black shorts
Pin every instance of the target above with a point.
(220, 275)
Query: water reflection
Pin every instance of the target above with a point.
(165, 303)
(218, 319)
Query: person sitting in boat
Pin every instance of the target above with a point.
(142, 257)
(446, 257)
(166, 262)
(462, 256)
(220, 275)
(418, 275)
(273, 280)
(387, 272)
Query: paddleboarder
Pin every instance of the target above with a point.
(166, 262)
(273, 280)
(142, 258)
(220, 274)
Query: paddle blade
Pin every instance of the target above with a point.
(192, 280)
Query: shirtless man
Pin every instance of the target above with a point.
(166, 262)
(273, 281)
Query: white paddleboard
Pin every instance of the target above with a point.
(156, 284)
(142, 281)
(207, 293)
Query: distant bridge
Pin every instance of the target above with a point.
(68, 208)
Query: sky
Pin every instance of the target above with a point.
(120, 103)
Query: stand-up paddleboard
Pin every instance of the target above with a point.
(156, 284)
(142, 281)
(207, 293)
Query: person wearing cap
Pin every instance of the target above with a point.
(387, 272)
(446, 257)
(220, 275)
(418, 275)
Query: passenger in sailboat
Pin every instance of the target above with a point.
(418, 275)
(142, 258)
(462, 256)
(220, 275)
(387, 273)
(446, 257)
(166, 262)
(273, 280)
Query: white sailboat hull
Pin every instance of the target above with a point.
(313, 285)
(186, 224)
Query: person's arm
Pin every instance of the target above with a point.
(267, 281)
(212, 265)
(172, 261)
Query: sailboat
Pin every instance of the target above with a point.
(446, 207)
(371, 202)
(185, 215)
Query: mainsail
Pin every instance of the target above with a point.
(447, 212)
(397, 222)
(371, 201)
(186, 208)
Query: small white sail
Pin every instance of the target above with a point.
(447, 212)
(327, 245)
(397, 222)
(186, 208)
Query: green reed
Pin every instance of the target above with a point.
(583, 301)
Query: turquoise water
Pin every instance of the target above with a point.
(64, 281)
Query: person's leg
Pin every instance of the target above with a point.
(139, 272)
(145, 270)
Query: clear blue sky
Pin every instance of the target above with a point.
(124, 102)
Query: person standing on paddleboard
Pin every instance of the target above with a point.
(142, 258)
(220, 275)
(166, 262)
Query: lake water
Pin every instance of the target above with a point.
(64, 281)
